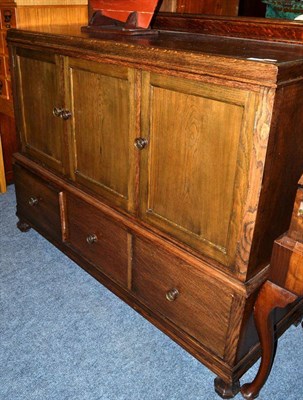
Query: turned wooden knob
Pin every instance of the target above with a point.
(65, 114)
(91, 239)
(33, 201)
(57, 112)
(61, 113)
(140, 143)
(172, 294)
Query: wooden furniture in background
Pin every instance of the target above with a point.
(7, 129)
(140, 12)
(252, 8)
(284, 286)
(27, 13)
(166, 167)
(259, 28)
(211, 7)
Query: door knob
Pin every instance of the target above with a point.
(65, 114)
(61, 113)
(140, 143)
(57, 112)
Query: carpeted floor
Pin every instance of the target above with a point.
(63, 336)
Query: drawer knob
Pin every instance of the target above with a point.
(140, 143)
(57, 112)
(33, 201)
(61, 113)
(172, 294)
(91, 239)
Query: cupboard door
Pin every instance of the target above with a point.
(39, 91)
(103, 131)
(194, 169)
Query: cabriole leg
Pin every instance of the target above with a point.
(270, 297)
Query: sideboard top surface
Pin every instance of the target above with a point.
(240, 48)
(258, 61)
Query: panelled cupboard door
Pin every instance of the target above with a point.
(40, 90)
(104, 112)
(194, 169)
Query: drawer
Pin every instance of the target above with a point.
(37, 203)
(8, 18)
(196, 303)
(97, 239)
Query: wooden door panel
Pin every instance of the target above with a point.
(194, 170)
(40, 90)
(102, 99)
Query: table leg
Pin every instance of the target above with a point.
(270, 297)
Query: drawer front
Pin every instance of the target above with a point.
(38, 203)
(97, 239)
(183, 294)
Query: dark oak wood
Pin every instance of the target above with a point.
(9, 143)
(226, 390)
(156, 273)
(248, 27)
(99, 240)
(7, 123)
(37, 202)
(199, 352)
(146, 190)
(279, 154)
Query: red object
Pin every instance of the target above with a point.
(121, 9)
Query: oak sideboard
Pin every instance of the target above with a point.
(166, 166)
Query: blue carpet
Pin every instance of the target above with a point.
(63, 336)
